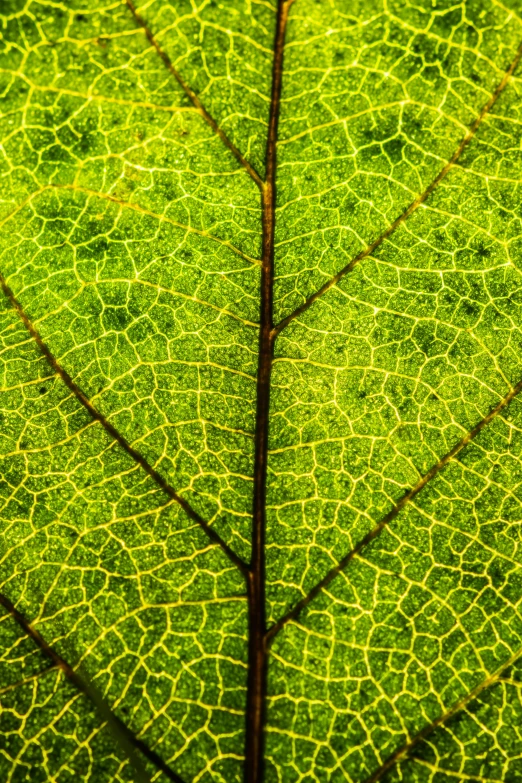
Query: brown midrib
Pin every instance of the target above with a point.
(125, 735)
(257, 650)
(96, 415)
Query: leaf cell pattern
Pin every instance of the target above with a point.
(260, 340)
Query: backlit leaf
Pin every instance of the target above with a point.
(260, 365)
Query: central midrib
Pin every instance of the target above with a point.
(257, 647)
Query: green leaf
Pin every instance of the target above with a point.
(260, 367)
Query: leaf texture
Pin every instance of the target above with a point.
(260, 365)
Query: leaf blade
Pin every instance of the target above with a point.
(131, 242)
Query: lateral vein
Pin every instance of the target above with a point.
(136, 208)
(427, 730)
(115, 434)
(406, 498)
(126, 738)
(412, 207)
(194, 98)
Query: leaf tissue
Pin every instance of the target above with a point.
(260, 376)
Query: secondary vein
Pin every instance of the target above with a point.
(427, 730)
(406, 498)
(136, 208)
(412, 207)
(125, 737)
(195, 100)
(115, 434)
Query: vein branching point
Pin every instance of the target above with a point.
(257, 651)
(286, 553)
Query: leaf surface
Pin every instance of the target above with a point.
(260, 343)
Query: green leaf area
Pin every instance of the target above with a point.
(260, 365)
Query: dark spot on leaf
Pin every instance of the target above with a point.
(483, 252)
(469, 307)
(117, 318)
